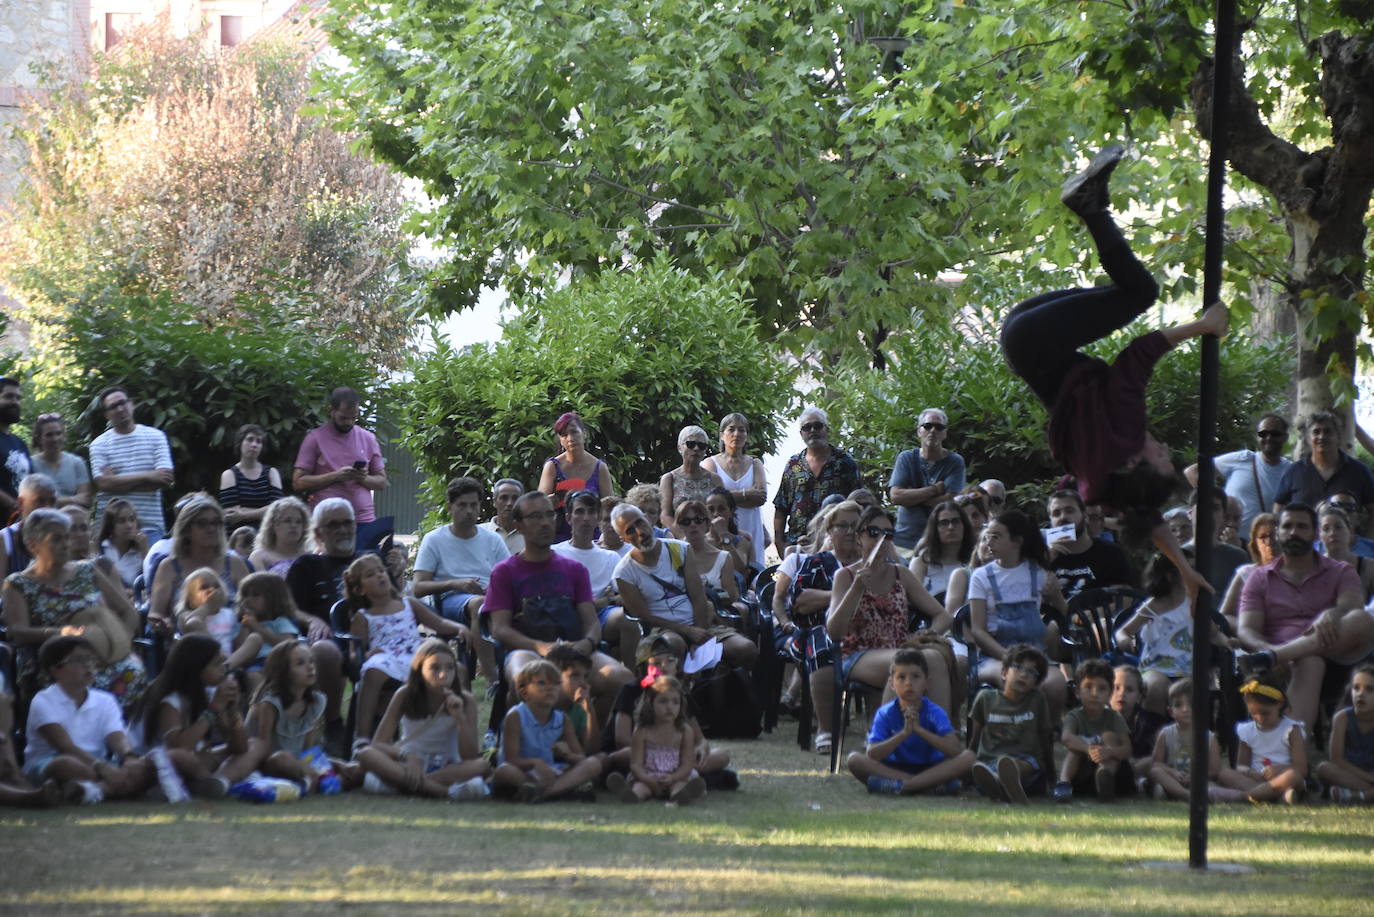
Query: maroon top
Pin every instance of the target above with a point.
(1098, 419)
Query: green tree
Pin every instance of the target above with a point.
(770, 141)
(173, 171)
(638, 353)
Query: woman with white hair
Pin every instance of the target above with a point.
(690, 480)
(56, 595)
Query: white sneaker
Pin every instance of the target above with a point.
(376, 785)
(167, 777)
(476, 788)
(90, 793)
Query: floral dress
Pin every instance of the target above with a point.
(397, 636)
(53, 605)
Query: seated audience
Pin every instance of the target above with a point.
(36, 491)
(1271, 765)
(122, 541)
(1348, 771)
(1261, 539)
(724, 532)
(198, 540)
(662, 756)
(504, 493)
(1011, 730)
(1172, 767)
(1096, 741)
(616, 629)
(282, 537)
(1082, 562)
(1337, 531)
(946, 547)
(540, 757)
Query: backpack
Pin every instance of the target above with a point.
(727, 706)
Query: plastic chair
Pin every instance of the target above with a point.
(340, 622)
(1092, 622)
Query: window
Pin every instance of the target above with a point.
(117, 27)
(230, 31)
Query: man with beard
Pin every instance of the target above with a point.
(922, 478)
(1301, 610)
(1082, 562)
(1253, 477)
(14, 455)
(810, 476)
(341, 459)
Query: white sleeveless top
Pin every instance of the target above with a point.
(750, 521)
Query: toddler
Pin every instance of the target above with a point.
(661, 752)
(1171, 770)
(1012, 732)
(203, 608)
(1096, 739)
(911, 745)
(529, 732)
(1127, 690)
(1272, 762)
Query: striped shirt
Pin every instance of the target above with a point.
(143, 449)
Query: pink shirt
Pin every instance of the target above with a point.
(325, 449)
(1290, 608)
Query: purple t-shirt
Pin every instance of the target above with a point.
(1098, 420)
(515, 581)
(325, 449)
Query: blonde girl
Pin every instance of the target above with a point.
(1272, 762)
(386, 623)
(438, 754)
(662, 751)
(203, 608)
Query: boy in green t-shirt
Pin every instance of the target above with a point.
(1012, 732)
(1096, 737)
(575, 695)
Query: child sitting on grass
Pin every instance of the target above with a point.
(1272, 762)
(1096, 739)
(1350, 771)
(527, 764)
(1012, 732)
(661, 654)
(76, 733)
(287, 717)
(1127, 690)
(911, 746)
(438, 754)
(575, 694)
(662, 750)
(1172, 768)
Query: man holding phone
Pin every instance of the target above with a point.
(341, 459)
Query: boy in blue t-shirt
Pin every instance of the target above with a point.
(911, 746)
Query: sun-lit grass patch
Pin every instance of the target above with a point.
(783, 844)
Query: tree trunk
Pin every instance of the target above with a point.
(1323, 197)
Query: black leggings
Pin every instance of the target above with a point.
(1042, 335)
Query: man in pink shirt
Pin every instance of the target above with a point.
(1301, 610)
(341, 459)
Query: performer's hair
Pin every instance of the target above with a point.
(1139, 493)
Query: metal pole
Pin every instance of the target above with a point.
(1207, 428)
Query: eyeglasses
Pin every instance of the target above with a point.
(693, 520)
(937, 427)
(812, 427)
(207, 522)
(47, 418)
(842, 526)
(948, 523)
(336, 525)
(543, 515)
(877, 531)
(696, 444)
(1271, 434)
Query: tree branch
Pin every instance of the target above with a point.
(642, 195)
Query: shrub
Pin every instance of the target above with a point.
(638, 353)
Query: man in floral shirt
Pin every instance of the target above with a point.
(810, 477)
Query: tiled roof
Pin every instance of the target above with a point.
(300, 24)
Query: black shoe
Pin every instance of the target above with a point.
(1249, 663)
(723, 779)
(1086, 193)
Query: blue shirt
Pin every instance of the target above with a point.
(888, 721)
(911, 470)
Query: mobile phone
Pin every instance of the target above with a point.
(360, 465)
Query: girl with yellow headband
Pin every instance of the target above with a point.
(1272, 762)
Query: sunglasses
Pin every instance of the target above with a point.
(933, 426)
(696, 444)
(1347, 507)
(812, 427)
(1271, 434)
(877, 531)
(693, 520)
(948, 523)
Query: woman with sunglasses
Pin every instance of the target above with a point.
(69, 471)
(870, 606)
(717, 566)
(690, 480)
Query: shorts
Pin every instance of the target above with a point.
(34, 767)
(605, 612)
(907, 767)
(1034, 782)
(847, 663)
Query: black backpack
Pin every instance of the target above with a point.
(726, 704)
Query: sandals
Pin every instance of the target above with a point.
(824, 741)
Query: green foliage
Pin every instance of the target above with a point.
(998, 425)
(198, 381)
(768, 141)
(638, 353)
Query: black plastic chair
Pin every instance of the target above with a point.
(1091, 623)
(340, 623)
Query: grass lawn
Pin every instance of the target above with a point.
(793, 839)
